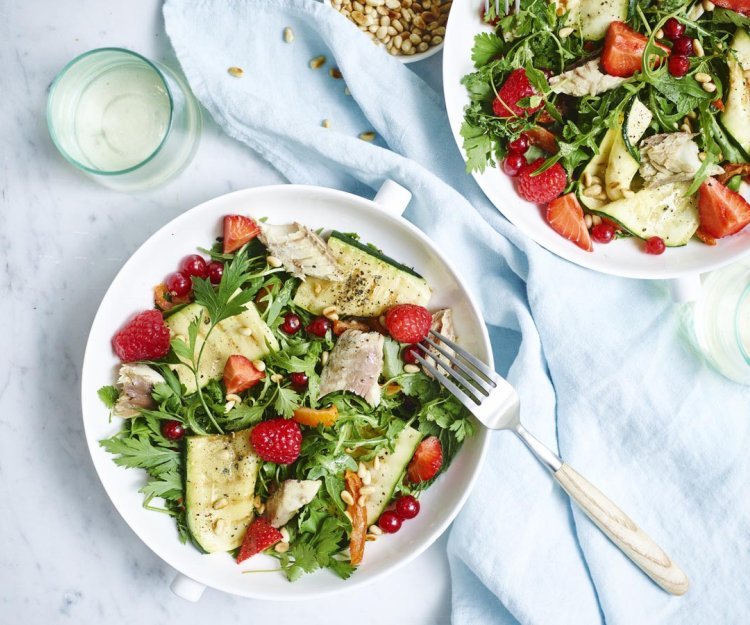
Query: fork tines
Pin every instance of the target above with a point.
(468, 378)
(516, 7)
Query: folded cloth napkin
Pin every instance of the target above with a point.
(600, 363)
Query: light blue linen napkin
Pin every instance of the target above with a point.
(602, 369)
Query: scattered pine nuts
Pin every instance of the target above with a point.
(367, 136)
(259, 365)
(410, 368)
(698, 48)
(347, 498)
(361, 469)
(587, 220)
(586, 179)
(246, 331)
(593, 190)
(237, 72)
(288, 35)
(367, 490)
(659, 34)
(376, 463)
(703, 77)
(709, 87)
(234, 397)
(329, 311)
(317, 62)
(374, 529)
(367, 479)
(220, 503)
(326, 123)
(628, 193)
(273, 262)
(565, 32)
(361, 501)
(228, 407)
(281, 547)
(276, 378)
(708, 5)
(686, 128)
(596, 220)
(324, 358)
(284, 534)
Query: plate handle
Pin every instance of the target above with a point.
(685, 289)
(392, 198)
(187, 588)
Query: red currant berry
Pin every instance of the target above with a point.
(655, 245)
(603, 232)
(673, 29)
(513, 164)
(319, 326)
(409, 352)
(389, 522)
(407, 507)
(683, 45)
(291, 324)
(519, 146)
(678, 65)
(178, 284)
(298, 380)
(215, 271)
(172, 430)
(194, 265)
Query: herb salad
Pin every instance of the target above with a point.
(274, 400)
(624, 118)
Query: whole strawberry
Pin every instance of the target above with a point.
(515, 88)
(278, 440)
(259, 537)
(144, 337)
(408, 323)
(543, 187)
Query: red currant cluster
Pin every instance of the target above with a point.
(179, 284)
(405, 508)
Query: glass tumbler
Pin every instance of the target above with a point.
(721, 321)
(127, 122)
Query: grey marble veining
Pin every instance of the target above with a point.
(66, 555)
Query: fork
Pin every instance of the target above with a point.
(495, 403)
(516, 7)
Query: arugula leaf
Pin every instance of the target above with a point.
(487, 46)
(109, 396)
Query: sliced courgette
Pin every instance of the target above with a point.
(597, 167)
(622, 165)
(228, 338)
(221, 471)
(390, 472)
(373, 282)
(593, 17)
(736, 114)
(664, 211)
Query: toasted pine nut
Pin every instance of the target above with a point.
(288, 35)
(367, 478)
(220, 503)
(628, 193)
(659, 34)
(273, 262)
(335, 73)
(262, 508)
(374, 529)
(587, 221)
(593, 190)
(361, 469)
(329, 310)
(276, 378)
(237, 72)
(367, 490)
(319, 61)
(370, 537)
(324, 358)
(246, 331)
(410, 368)
(596, 220)
(565, 32)
(257, 502)
(361, 501)
(708, 5)
(347, 498)
(698, 48)
(702, 156)
(376, 463)
(367, 136)
(228, 407)
(234, 397)
(259, 365)
(317, 288)
(709, 87)
(281, 547)
(703, 77)
(586, 179)
(326, 123)
(284, 534)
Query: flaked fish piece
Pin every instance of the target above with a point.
(301, 251)
(586, 79)
(671, 157)
(135, 383)
(289, 499)
(442, 321)
(355, 364)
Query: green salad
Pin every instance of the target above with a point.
(624, 118)
(274, 398)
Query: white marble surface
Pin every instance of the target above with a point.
(66, 555)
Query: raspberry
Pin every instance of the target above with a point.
(516, 87)
(542, 188)
(408, 323)
(144, 337)
(278, 440)
(259, 537)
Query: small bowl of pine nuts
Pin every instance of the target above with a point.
(410, 30)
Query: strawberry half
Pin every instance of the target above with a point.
(722, 211)
(427, 460)
(565, 215)
(623, 50)
(515, 88)
(740, 6)
(240, 374)
(258, 537)
(238, 230)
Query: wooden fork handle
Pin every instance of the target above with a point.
(623, 532)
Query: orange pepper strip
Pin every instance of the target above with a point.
(359, 519)
(161, 301)
(313, 417)
(339, 326)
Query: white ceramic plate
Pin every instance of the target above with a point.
(622, 257)
(377, 221)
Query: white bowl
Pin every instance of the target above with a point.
(412, 58)
(622, 257)
(378, 221)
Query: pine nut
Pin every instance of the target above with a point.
(659, 34)
(220, 503)
(393, 4)
(374, 529)
(237, 72)
(288, 35)
(326, 123)
(596, 220)
(709, 87)
(219, 525)
(361, 501)
(702, 156)
(628, 193)
(703, 77)
(335, 73)
(367, 490)
(392, 31)
(369, 135)
(261, 508)
(347, 498)
(587, 220)
(398, 25)
(358, 6)
(586, 179)
(406, 46)
(257, 502)
(382, 32)
(276, 378)
(692, 115)
(361, 469)
(436, 40)
(410, 368)
(273, 262)
(228, 407)
(565, 32)
(686, 128)
(367, 478)
(385, 21)
(376, 463)
(324, 358)
(398, 41)
(284, 534)
(319, 61)
(246, 331)
(329, 311)
(708, 5)
(593, 190)
(234, 397)
(698, 48)
(281, 547)
(259, 365)
(422, 47)
(370, 538)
